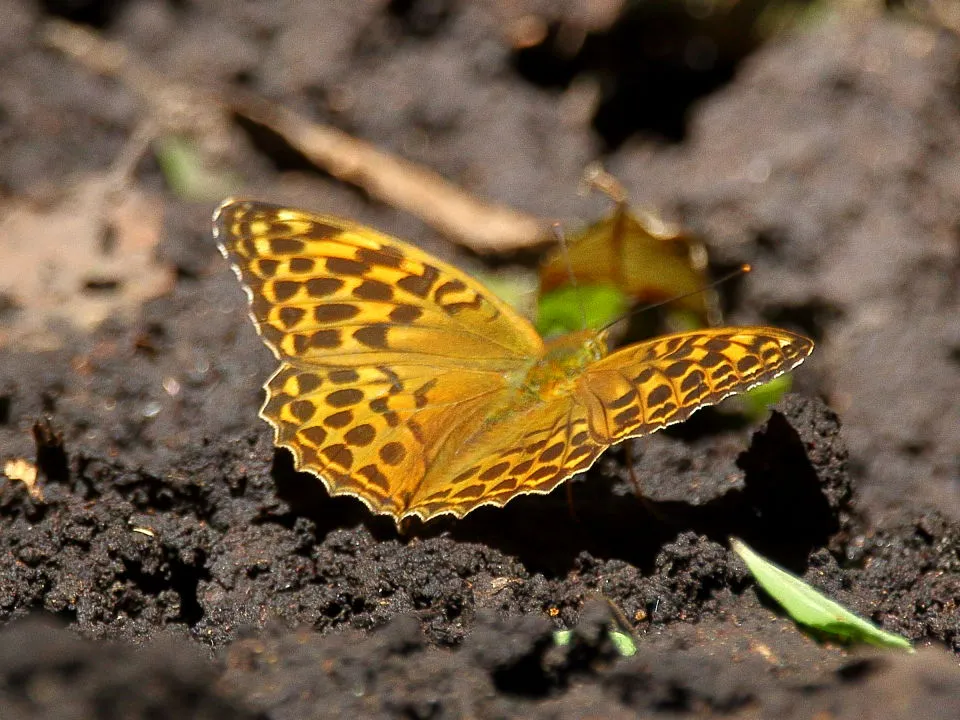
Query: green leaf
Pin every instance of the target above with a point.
(186, 173)
(754, 403)
(562, 310)
(624, 643)
(621, 640)
(811, 608)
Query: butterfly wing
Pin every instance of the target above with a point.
(375, 432)
(388, 355)
(402, 380)
(635, 391)
(330, 292)
(528, 447)
(644, 387)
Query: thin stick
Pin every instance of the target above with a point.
(483, 227)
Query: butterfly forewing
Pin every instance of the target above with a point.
(644, 387)
(327, 291)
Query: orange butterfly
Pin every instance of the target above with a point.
(405, 383)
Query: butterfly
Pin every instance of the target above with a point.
(405, 383)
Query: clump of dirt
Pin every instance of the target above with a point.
(51, 674)
(829, 165)
(231, 535)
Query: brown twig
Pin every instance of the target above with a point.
(480, 226)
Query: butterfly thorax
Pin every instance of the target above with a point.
(564, 359)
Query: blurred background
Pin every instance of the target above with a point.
(816, 140)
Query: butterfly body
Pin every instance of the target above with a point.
(405, 383)
(563, 363)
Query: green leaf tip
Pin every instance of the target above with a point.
(621, 641)
(186, 172)
(811, 608)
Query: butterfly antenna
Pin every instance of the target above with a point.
(742, 270)
(558, 233)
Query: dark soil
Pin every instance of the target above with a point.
(186, 570)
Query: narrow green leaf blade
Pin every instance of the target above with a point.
(811, 608)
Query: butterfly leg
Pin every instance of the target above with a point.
(570, 504)
(649, 505)
(630, 459)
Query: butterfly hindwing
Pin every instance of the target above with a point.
(373, 432)
(528, 448)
